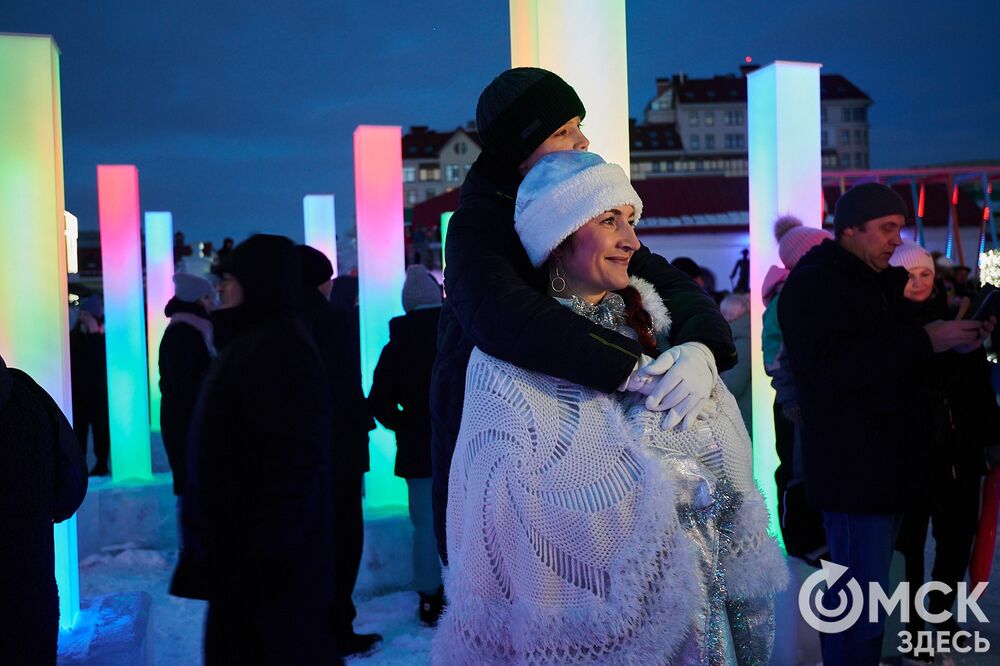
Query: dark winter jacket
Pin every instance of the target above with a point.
(184, 360)
(859, 362)
(43, 479)
(335, 334)
(402, 380)
(257, 506)
(89, 374)
(496, 301)
(965, 415)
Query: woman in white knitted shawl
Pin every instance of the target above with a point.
(579, 531)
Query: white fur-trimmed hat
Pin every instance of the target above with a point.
(561, 192)
(910, 256)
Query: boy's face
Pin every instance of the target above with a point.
(568, 137)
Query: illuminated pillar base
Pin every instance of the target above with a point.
(783, 124)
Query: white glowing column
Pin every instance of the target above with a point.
(124, 321)
(72, 237)
(34, 333)
(785, 178)
(159, 228)
(321, 225)
(583, 41)
(378, 196)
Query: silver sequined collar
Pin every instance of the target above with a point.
(609, 313)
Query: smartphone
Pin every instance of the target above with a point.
(989, 306)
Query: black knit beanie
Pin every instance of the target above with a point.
(316, 268)
(864, 202)
(520, 109)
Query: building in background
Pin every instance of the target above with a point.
(436, 162)
(699, 126)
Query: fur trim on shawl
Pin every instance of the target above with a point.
(654, 305)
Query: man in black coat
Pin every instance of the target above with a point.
(89, 373)
(257, 504)
(496, 300)
(858, 358)
(400, 400)
(186, 351)
(339, 348)
(43, 479)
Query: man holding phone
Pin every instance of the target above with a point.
(857, 360)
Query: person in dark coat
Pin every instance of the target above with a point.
(186, 351)
(400, 400)
(43, 479)
(89, 373)
(857, 358)
(334, 332)
(257, 502)
(965, 421)
(496, 299)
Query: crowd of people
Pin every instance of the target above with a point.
(572, 421)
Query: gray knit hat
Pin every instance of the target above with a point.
(520, 109)
(420, 288)
(190, 288)
(864, 202)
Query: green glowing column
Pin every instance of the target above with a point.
(34, 331)
(582, 41)
(124, 321)
(445, 219)
(378, 197)
(785, 178)
(159, 247)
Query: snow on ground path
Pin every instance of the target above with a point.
(404, 640)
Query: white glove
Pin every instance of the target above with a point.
(689, 373)
(637, 379)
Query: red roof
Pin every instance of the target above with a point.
(733, 88)
(422, 141)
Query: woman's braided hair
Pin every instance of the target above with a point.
(638, 319)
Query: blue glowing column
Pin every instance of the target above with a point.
(783, 124)
(582, 41)
(34, 335)
(159, 246)
(124, 321)
(321, 225)
(378, 196)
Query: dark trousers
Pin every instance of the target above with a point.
(863, 543)
(95, 418)
(954, 521)
(348, 540)
(264, 632)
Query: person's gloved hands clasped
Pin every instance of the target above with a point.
(689, 373)
(639, 380)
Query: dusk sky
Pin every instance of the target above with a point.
(233, 111)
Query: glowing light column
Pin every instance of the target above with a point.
(783, 125)
(34, 333)
(321, 225)
(124, 321)
(445, 220)
(378, 195)
(562, 36)
(159, 233)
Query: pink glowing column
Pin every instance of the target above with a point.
(783, 126)
(378, 194)
(124, 321)
(321, 225)
(159, 246)
(34, 331)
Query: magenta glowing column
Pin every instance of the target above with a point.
(321, 225)
(378, 195)
(783, 127)
(34, 330)
(159, 247)
(124, 321)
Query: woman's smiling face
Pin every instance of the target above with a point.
(595, 258)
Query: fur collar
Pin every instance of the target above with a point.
(653, 304)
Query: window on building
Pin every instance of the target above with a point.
(699, 165)
(409, 174)
(865, 135)
(734, 141)
(655, 166)
(429, 173)
(845, 115)
(429, 192)
(709, 118)
(859, 161)
(411, 197)
(709, 142)
(845, 160)
(694, 143)
(845, 137)
(734, 118)
(824, 139)
(857, 137)
(668, 166)
(693, 118)
(461, 148)
(452, 172)
(822, 114)
(860, 114)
